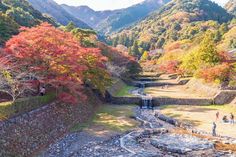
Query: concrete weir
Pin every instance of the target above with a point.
(139, 97)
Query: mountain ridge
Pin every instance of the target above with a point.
(230, 6)
(17, 13)
(109, 21)
(177, 20)
(55, 10)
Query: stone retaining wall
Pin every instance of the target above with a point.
(225, 97)
(157, 101)
(202, 88)
(215, 96)
(157, 84)
(181, 101)
(125, 100)
(27, 134)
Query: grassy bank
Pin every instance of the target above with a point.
(120, 88)
(125, 91)
(110, 118)
(10, 109)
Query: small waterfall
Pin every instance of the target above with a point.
(147, 102)
(146, 99)
(142, 85)
(141, 90)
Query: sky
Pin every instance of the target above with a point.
(110, 4)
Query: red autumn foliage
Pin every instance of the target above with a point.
(115, 56)
(170, 67)
(67, 98)
(120, 59)
(54, 56)
(219, 72)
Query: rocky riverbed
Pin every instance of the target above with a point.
(153, 138)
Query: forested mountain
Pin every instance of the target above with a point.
(231, 6)
(8, 27)
(56, 11)
(23, 13)
(90, 16)
(177, 20)
(110, 21)
(16, 13)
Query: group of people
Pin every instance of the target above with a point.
(225, 118)
(165, 87)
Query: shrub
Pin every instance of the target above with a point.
(219, 73)
(170, 67)
(23, 105)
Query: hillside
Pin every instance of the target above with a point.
(23, 13)
(110, 21)
(56, 11)
(178, 20)
(16, 13)
(231, 6)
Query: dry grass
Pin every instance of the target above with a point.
(174, 91)
(202, 117)
(109, 118)
(116, 118)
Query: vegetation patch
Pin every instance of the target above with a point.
(10, 109)
(116, 118)
(125, 91)
(224, 108)
(110, 117)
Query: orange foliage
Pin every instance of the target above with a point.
(219, 72)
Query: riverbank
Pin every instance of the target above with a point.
(150, 138)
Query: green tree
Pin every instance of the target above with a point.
(70, 26)
(205, 55)
(22, 17)
(135, 49)
(8, 27)
(224, 28)
(207, 52)
(115, 41)
(84, 36)
(217, 36)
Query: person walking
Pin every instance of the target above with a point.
(42, 91)
(214, 129)
(231, 118)
(217, 116)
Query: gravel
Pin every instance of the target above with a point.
(151, 139)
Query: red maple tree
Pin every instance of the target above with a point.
(54, 56)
